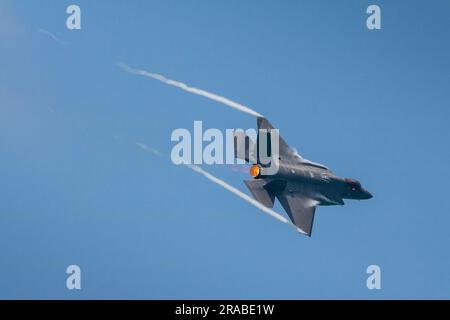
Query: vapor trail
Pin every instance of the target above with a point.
(145, 147)
(243, 196)
(193, 90)
(226, 186)
(51, 35)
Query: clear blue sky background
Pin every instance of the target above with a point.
(372, 105)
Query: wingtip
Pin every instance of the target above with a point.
(262, 122)
(303, 232)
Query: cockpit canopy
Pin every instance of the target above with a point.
(353, 184)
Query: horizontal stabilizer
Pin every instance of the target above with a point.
(261, 194)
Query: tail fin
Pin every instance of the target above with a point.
(244, 147)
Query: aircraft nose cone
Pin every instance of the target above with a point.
(368, 195)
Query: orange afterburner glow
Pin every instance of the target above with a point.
(255, 171)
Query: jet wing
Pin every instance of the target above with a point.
(300, 209)
(286, 152)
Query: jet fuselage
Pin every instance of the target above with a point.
(299, 185)
(318, 182)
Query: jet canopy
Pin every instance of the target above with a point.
(354, 184)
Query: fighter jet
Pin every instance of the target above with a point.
(299, 185)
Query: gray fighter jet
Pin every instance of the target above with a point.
(299, 184)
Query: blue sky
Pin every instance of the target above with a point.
(75, 189)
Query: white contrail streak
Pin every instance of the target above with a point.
(145, 147)
(243, 196)
(226, 186)
(51, 35)
(193, 90)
